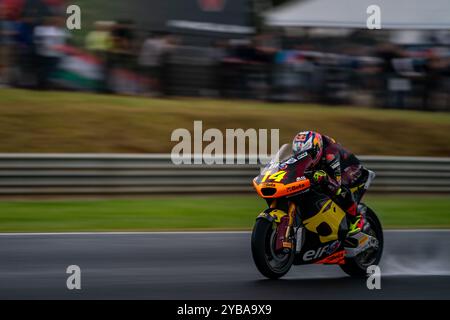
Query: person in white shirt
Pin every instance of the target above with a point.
(152, 57)
(48, 39)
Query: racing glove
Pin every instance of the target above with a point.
(320, 177)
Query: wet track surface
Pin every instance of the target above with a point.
(416, 264)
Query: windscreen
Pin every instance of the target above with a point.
(283, 154)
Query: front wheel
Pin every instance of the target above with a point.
(271, 264)
(357, 266)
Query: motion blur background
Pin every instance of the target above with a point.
(86, 118)
(300, 51)
(137, 70)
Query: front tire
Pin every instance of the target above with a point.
(272, 265)
(357, 266)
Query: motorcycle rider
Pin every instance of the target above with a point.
(338, 171)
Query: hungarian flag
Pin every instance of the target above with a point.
(78, 70)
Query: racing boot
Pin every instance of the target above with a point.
(354, 220)
(355, 223)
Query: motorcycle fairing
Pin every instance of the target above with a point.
(326, 223)
(283, 179)
(335, 258)
(315, 252)
(321, 214)
(273, 215)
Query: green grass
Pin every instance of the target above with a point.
(33, 121)
(193, 213)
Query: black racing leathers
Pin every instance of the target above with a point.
(344, 172)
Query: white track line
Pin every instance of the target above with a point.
(178, 232)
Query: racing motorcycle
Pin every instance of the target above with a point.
(302, 225)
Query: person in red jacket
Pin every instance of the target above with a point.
(338, 171)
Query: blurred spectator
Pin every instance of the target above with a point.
(437, 69)
(219, 52)
(55, 7)
(26, 53)
(153, 59)
(247, 68)
(8, 31)
(123, 42)
(287, 66)
(124, 34)
(100, 43)
(49, 37)
(122, 52)
(392, 87)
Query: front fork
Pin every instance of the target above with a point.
(284, 240)
(288, 243)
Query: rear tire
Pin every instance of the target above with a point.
(357, 266)
(269, 263)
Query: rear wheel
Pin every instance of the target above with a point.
(357, 266)
(271, 264)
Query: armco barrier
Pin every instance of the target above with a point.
(72, 174)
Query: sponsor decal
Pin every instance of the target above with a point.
(315, 254)
(295, 188)
(292, 160)
(302, 155)
(333, 247)
(269, 185)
